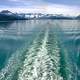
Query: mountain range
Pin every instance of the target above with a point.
(6, 15)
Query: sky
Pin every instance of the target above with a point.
(66, 7)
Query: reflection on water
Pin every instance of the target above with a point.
(26, 45)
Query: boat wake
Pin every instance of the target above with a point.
(41, 61)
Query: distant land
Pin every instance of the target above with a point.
(6, 15)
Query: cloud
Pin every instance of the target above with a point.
(51, 9)
(63, 9)
(14, 0)
(43, 6)
(24, 3)
(65, 2)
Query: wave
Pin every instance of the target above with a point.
(39, 65)
(43, 60)
(14, 63)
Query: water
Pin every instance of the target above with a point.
(40, 50)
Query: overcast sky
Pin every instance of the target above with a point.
(45, 6)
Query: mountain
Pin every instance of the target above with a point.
(56, 16)
(78, 17)
(7, 15)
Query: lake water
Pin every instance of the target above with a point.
(40, 50)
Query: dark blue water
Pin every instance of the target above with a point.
(40, 50)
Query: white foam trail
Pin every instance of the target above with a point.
(13, 63)
(29, 57)
(40, 66)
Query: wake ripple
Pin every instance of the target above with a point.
(40, 65)
(14, 63)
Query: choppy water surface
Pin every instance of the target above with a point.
(40, 50)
